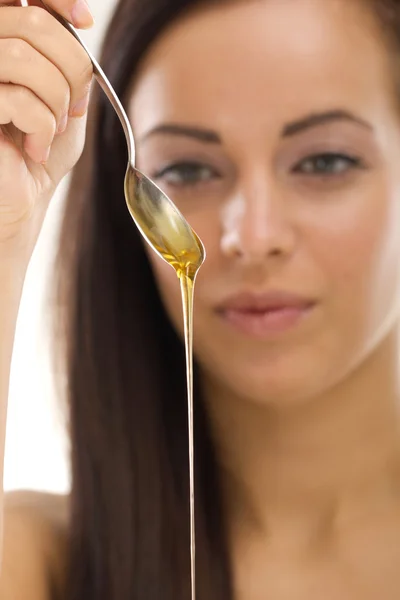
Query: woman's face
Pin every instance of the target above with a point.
(273, 127)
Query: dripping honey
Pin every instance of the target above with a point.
(171, 237)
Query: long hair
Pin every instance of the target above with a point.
(129, 529)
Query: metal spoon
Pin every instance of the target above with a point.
(160, 222)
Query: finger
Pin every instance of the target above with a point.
(21, 64)
(22, 108)
(75, 11)
(37, 27)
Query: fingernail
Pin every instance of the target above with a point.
(81, 15)
(45, 156)
(80, 107)
(63, 123)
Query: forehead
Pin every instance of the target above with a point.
(264, 61)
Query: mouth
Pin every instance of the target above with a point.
(265, 315)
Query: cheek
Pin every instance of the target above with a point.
(360, 253)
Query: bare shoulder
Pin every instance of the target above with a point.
(35, 546)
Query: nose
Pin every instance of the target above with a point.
(256, 222)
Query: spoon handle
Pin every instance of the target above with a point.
(105, 85)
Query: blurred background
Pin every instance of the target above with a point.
(36, 442)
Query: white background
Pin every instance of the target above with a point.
(36, 442)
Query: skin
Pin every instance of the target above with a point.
(305, 422)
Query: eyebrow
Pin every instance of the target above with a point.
(315, 119)
(295, 127)
(198, 133)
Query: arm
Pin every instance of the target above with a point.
(11, 283)
(42, 131)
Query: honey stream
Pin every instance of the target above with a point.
(170, 236)
(187, 290)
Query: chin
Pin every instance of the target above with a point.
(291, 390)
(280, 381)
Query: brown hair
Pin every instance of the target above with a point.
(125, 372)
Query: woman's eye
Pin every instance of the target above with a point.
(186, 174)
(327, 164)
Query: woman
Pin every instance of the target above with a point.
(274, 126)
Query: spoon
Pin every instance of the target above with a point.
(159, 221)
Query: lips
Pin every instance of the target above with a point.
(264, 314)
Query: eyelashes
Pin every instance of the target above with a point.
(329, 166)
(186, 174)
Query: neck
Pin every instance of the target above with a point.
(296, 466)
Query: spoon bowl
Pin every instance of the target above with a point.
(161, 223)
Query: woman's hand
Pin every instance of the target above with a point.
(45, 78)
